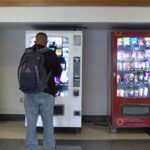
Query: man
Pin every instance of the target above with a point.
(43, 102)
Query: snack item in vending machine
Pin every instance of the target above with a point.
(134, 41)
(140, 55)
(139, 65)
(135, 65)
(140, 91)
(149, 79)
(123, 55)
(143, 65)
(132, 65)
(119, 56)
(131, 76)
(126, 65)
(131, 91)
(147, 54)
(126, 92)
(136, 92)
(146, 76)
(129, 65)
(147, 42)
(122, 91)
(126, 56)
(118, 78)
(140, 76)
(121, 77)
(118, 92)
(135, 77)
(141, 41)
(147, 67)
(145, 92)
(119, 42)
(119, 66)
(133, 55)
(126, 76)
(126, 41)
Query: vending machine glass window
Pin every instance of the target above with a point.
(133, 68)
(59, 44)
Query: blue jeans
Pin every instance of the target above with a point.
(43, 104)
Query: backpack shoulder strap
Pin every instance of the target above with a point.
(43, 50)
(28, 50)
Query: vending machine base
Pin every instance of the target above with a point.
(130, 115)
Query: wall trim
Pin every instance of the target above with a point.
(75, 3)
(85, 118)
(12, 117)
(94, 118)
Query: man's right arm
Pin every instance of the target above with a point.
(53, 64)
(57, 67)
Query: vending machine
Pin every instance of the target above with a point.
(130, 104)
(68, 102)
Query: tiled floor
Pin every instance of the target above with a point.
(83, 145)
(91, 137)
(89, 131)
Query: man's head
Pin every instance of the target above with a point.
(41, 38)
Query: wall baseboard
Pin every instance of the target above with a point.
(94, 118)
(12, 117)
(85, 118)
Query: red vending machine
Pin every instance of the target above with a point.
(131, 80)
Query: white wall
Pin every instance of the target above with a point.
(94, 71)
(75, 14)
(12, 43)
(96, 49)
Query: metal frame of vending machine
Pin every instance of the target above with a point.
(68, 103)
(130, 103)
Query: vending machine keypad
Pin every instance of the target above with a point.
(76, 71)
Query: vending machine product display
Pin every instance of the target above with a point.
(131, 80)
(68, 102)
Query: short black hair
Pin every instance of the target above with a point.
(41, 34)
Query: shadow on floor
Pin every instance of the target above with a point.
(82, 144)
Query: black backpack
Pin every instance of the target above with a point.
(32, 74)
